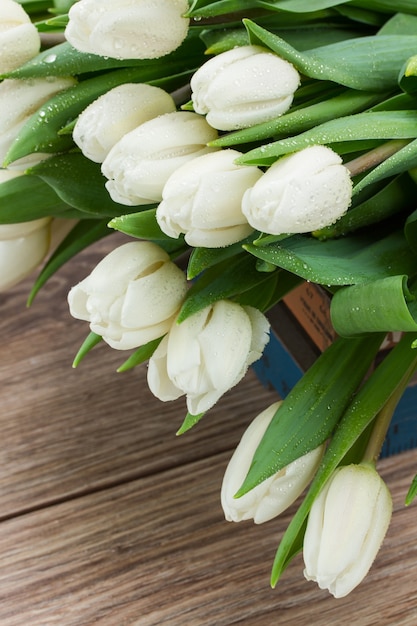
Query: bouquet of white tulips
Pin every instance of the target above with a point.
(244, 146)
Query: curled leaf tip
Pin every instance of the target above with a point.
(188, 423)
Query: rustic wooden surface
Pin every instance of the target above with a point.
(106, 517)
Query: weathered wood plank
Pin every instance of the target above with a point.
(157, 551)
(67, 432)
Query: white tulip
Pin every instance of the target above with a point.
(127, 29)
(203, 200)
(22, 247)
(300, 193)
(131, 297)
(207, 354)
(19, 100)
(139, 165)
(19, 38)
(106, 120)
(346, 527)
(243, 86)
(276, 493)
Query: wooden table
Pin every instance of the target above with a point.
(108, 518)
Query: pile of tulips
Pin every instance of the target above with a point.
(256, 147)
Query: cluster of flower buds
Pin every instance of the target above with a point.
(153, 154)
(150, 153)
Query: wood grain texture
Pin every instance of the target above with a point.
(108, 518)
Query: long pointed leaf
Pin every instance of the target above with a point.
(309, 413)
(361, 126)
(390, 377)
(350, 260)
(368, 63)
(80, 184)
(363, 308)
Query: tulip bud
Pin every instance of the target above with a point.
(19, 100)
(19, 38)
(300, 193)
(276, 493)
(131, 297)
(207, 354)
(106, 120)
(139, 165)
(132, 29)
(243, 86)
(22, 247)
(345, 528)
(203, 200)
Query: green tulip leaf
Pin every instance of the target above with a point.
(386, 6)
(410, 230)
(394, 197)
(400, 24)
(365, 63)
(79, 183)
(263, 296)
(213, 8)
(84, 234)
(382, 389)
(203, 258)
(351, 260)
(64, 60)
(367, 125)
(88, 344)
(225, 280)
(301, 6)
(310, 412)
(219, 41)
(399, 102)
(363, 308)
(36, 6)
(143, 225)
(298, 121)
(412, 492)
(26, 198)
(408, 76)
(294, 28)
(210, 8)
(189, 421)
(140, 355)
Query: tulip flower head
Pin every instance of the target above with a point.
(299, 193)
(207, 354)
(106, 120)
(139, 165)
(131, 297)
(345, 528)
(127, 29)
(203, 200)
(22, 247)
(19, 100)
(19, 38)
(276, 493)
(242, 87)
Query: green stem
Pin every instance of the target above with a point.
(384, 417)
(375, 157)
